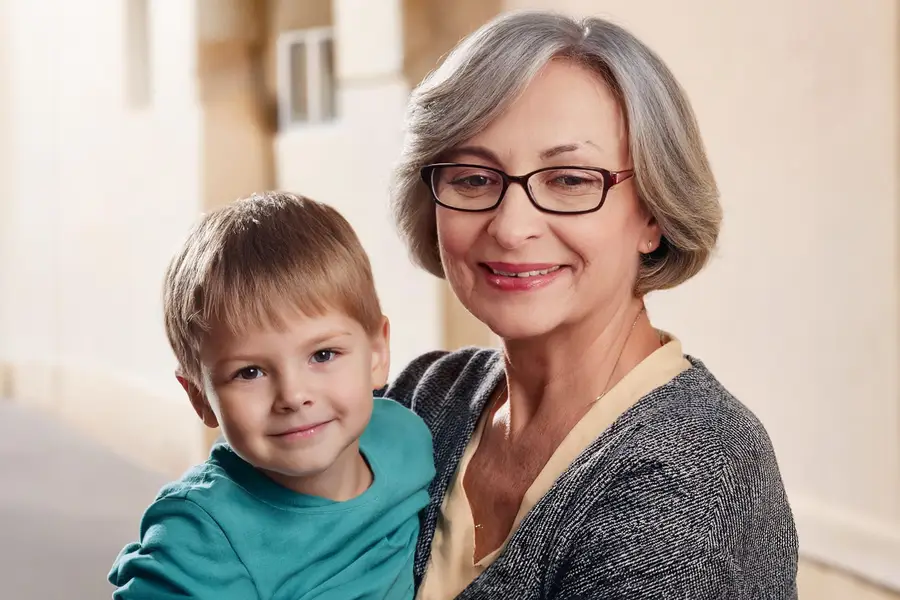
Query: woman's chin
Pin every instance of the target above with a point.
(511, 327)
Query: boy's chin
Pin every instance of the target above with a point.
(291, 478)
(294, 469)
(284, 470)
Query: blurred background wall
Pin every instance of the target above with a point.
(121, 122)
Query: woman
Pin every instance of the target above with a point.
(554, 174)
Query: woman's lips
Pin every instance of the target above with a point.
(521, 269)
(520, 277)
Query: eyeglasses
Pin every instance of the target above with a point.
(557, 190)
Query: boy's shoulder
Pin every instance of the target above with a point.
(399, 441)
(396, 424)
(207, 483)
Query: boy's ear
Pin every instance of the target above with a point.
(381, 355)
(198, 401)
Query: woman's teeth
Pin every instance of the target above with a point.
(525, 273)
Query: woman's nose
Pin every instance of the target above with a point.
(516, 220)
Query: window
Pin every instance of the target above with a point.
(306, 81)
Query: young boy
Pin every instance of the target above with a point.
(272, 314)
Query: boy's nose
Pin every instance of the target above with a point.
(291, 397)
(292, 403)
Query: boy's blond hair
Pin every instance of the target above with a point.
(247, 263)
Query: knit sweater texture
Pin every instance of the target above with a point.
(680, 498)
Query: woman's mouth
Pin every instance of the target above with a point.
(520, 277)
(533, 273)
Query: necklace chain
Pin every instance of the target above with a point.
(616, 365)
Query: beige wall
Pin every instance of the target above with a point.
(101, 195)
(6, 199)
(818, 582)
(238, 126)
(285, 15)
(238, 130)
(798, 315)
(229, 20)
(431, 28)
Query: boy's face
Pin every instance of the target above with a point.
(293, 401)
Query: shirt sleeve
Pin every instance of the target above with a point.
(182, 553)
(657, 533)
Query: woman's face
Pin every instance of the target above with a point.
(566, 117)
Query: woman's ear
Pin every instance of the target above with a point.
(198, 400)
(649, 240)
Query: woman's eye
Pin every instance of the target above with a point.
(472, 181)
(248, 373)
(570, 180)
(323, 356)
(571, 183)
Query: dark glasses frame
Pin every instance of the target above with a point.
(610, 179)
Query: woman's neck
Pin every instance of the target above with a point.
(565, 371)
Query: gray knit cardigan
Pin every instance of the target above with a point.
(681, 498)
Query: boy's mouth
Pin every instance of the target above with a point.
(302, 431)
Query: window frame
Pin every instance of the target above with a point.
(313, 39)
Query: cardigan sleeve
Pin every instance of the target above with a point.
(404, 387)
(716, 528)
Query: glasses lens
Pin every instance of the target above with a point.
(466, 188)
(567, 190)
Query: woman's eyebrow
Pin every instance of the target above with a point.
(477, 151)
(563, 148)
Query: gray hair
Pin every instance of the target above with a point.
(489, 69)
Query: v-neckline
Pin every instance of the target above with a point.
(622, 396)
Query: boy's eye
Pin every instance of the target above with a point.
(249, 373)
(323, 356)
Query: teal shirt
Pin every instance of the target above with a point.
(225, 531)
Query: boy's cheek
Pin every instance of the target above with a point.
(242, 430)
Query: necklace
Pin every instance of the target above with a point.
(503, 386)
(607, 387)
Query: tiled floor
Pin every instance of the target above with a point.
(66, 509)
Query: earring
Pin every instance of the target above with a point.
(649, 245)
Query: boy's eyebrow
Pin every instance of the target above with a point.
(327, 337)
